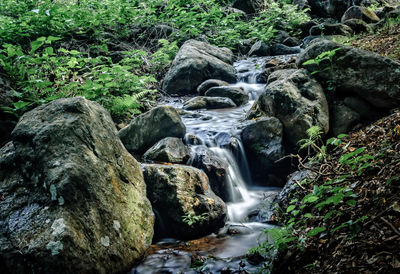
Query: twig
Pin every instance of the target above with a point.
(297, 183)
(391, 226)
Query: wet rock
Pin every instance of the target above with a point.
(358, 25)
(343, 119)
(248, 6)
(196, 62)
(326, 29)
(150, 127)
(362, 13)
(214, 167)
(169, 150)
(208, 102)
(272, 67)
(182, 196)
(374, 78)
(206, 85)
(191, 139)
(280, 49)
(259, 49)
(236, 94)
(73, 199)
(165, 261)
(298, 101)
(262, 141)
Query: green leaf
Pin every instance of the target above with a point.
(35, 45)
(308, 215)
(310, 198)
(315, 231)
(351, 202)
(290, 208)
(20, 104)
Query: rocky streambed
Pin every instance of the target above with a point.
(192, 176)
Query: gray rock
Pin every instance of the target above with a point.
(169, 150)
(280, 49)
(259, 49)
(196, 62)
(200, 102)
(237, 95)
(206, 85)
(214, 167)
(343, 119)
(358, 25)
(292, 42)
(326, 29)
(150, 127)
(177, 191)
(298, 101)
(248, 6)
(73, 199)
(262, 141)
(374, 78)
(290, 188)
(362, 13)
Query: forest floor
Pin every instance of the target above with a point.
(368, 241)
(385, 42)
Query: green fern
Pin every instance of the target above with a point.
(128, 103)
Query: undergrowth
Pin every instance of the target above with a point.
(116, 51)
(348, 202)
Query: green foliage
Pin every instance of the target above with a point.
(163, 57)
(326, 200)
(44, 74)
(191, 218)
(321, 59)
(63, 48)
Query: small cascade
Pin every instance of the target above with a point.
(218, 130)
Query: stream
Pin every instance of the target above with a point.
(219, 130)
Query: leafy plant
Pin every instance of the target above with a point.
(319, 61)
(191, 218)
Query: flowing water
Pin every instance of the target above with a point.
(220, 131)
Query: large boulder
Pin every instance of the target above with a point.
(375, 78)
(262, 141)
(73, 200)
(215, 168)
(207, 102)
(236, 94)
(249, 6)
(361, 13)
(150, 127)
(186, 205)
(297, 100)
(169, 150)
(196, 62)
